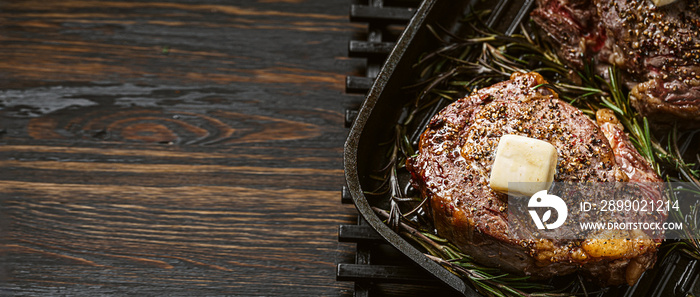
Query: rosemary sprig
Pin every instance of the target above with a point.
(639, 132)
(490, 281)
(691, 222)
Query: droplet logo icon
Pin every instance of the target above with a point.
(542, 199)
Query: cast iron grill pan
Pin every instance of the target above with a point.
(373, 124)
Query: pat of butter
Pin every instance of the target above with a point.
(660, 3)
(523, 165)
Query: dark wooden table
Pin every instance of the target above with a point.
(173, 147)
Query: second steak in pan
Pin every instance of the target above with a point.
(656, 48)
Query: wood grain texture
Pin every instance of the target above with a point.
(154, 148)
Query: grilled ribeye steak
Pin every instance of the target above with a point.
(657, 48)
(454, 161)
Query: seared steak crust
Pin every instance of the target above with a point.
(454, 162)
(658, 48)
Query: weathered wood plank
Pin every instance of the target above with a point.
(162, 41)
(163, 235)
